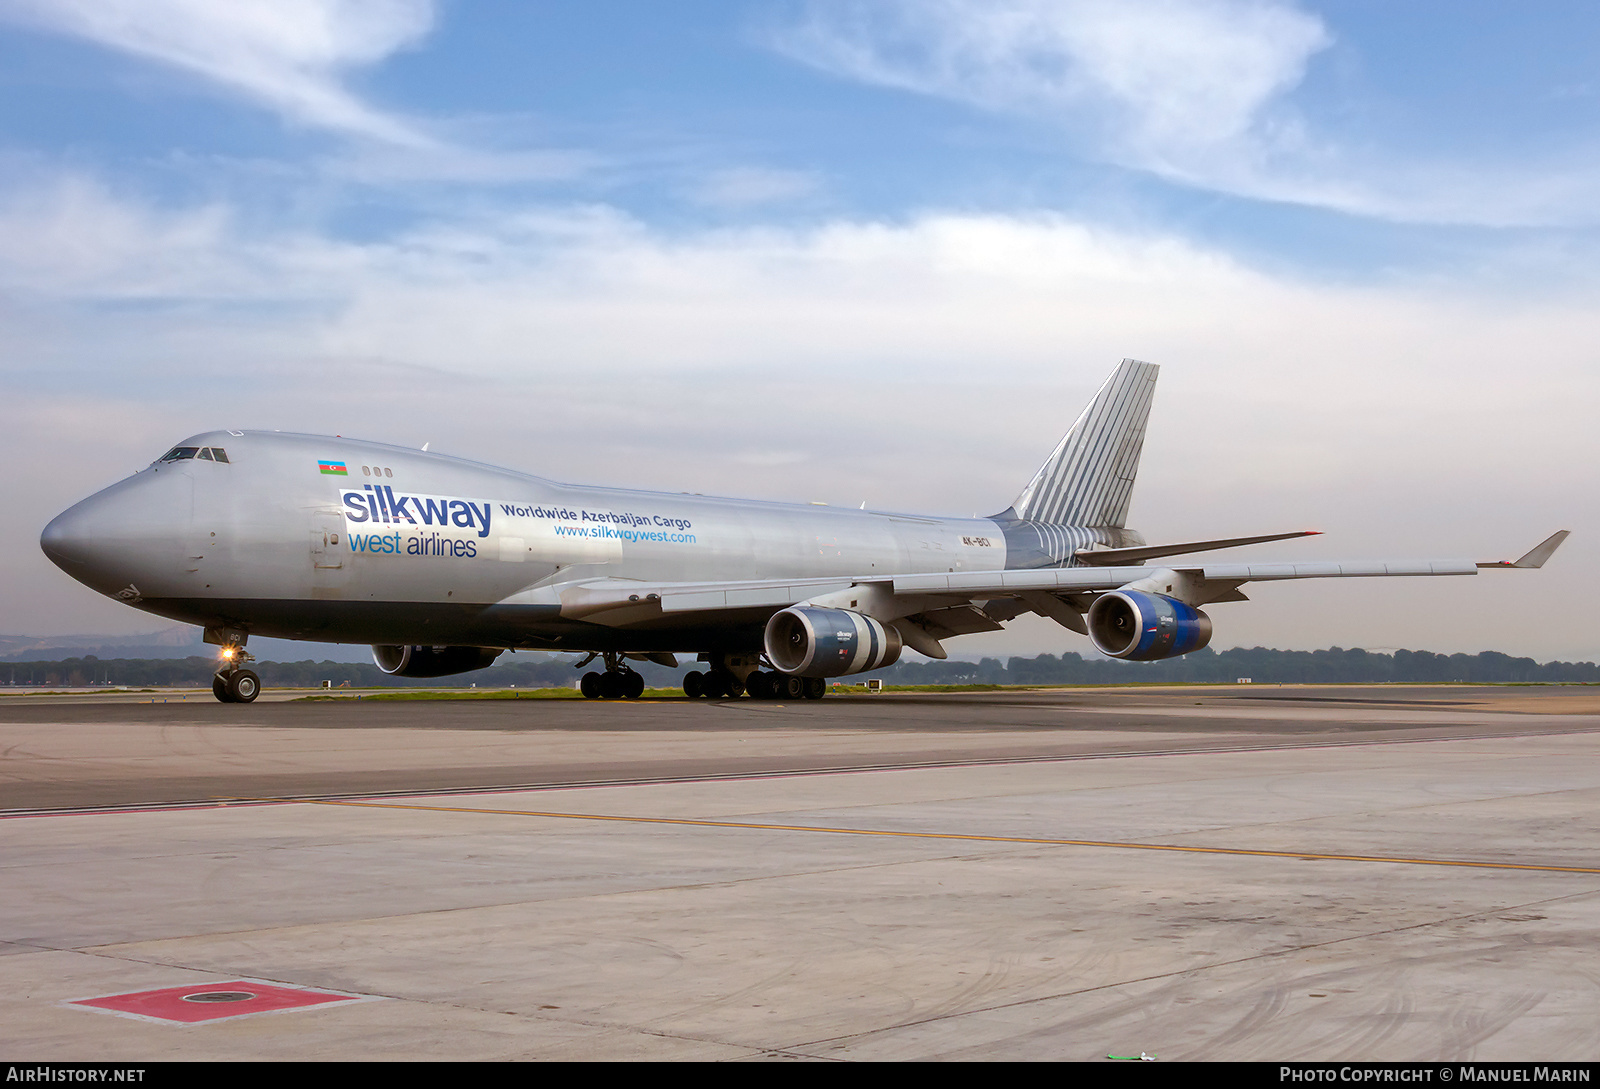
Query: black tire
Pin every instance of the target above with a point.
(734, 686)
(632, 685)
(611, 685)
(219, 688)
(694, 684)
(590, 685)
(244, 686)
(761, 686)
(816, 687)
(790, 688)
(714, 686)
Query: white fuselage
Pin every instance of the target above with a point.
(311, 537)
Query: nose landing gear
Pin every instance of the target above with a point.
(233, 683)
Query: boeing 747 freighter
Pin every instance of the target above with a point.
(442, 564)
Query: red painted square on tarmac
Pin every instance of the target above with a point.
(212, 1001)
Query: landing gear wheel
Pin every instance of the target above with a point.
(632, 685)
(790, 688)
(761, 686)
(611, 685)
(590, 685)
(694, 684)
(735, 687)
(243, 686)
(816, 688)
(219, 688)
(714, 686)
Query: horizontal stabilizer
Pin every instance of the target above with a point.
(1536, 555)
(1112, 557)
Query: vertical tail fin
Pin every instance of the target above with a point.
(1088, 480)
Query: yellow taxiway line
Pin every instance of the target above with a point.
(1310, 856)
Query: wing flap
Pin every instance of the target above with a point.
(1273, 572)
(961, 620)
(1054, 607)
(774, 595)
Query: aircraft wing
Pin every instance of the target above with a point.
(938, 605)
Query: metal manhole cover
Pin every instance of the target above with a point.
(219, 996)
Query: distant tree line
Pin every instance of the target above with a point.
(1262, 665)
(192, 671)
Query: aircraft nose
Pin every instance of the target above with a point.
(69, 540)
(127, 535)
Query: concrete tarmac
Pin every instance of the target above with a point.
(1208, 873)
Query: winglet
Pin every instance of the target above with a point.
(1537, 555)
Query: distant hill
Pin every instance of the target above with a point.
(173, 642)
(178, 641)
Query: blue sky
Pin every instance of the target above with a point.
(825, 110)
(711, 246)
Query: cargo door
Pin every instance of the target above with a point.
(330, 554)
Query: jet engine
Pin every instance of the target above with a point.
(433, 661)
(809, 641)
(1143, 627)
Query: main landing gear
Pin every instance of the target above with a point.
(781, 686)
(715, 684)
(617, 682)
(729, 677)
(732, 676)
(233, 683)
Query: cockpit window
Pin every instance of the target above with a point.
(187, 453)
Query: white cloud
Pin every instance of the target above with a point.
(1172, 86)
(1195, 91)
(69, 237)
(290, 55)
(293, 57)
(1156, 78)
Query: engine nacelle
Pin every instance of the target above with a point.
(433, 661)
(1143, 627)
(810, 641)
